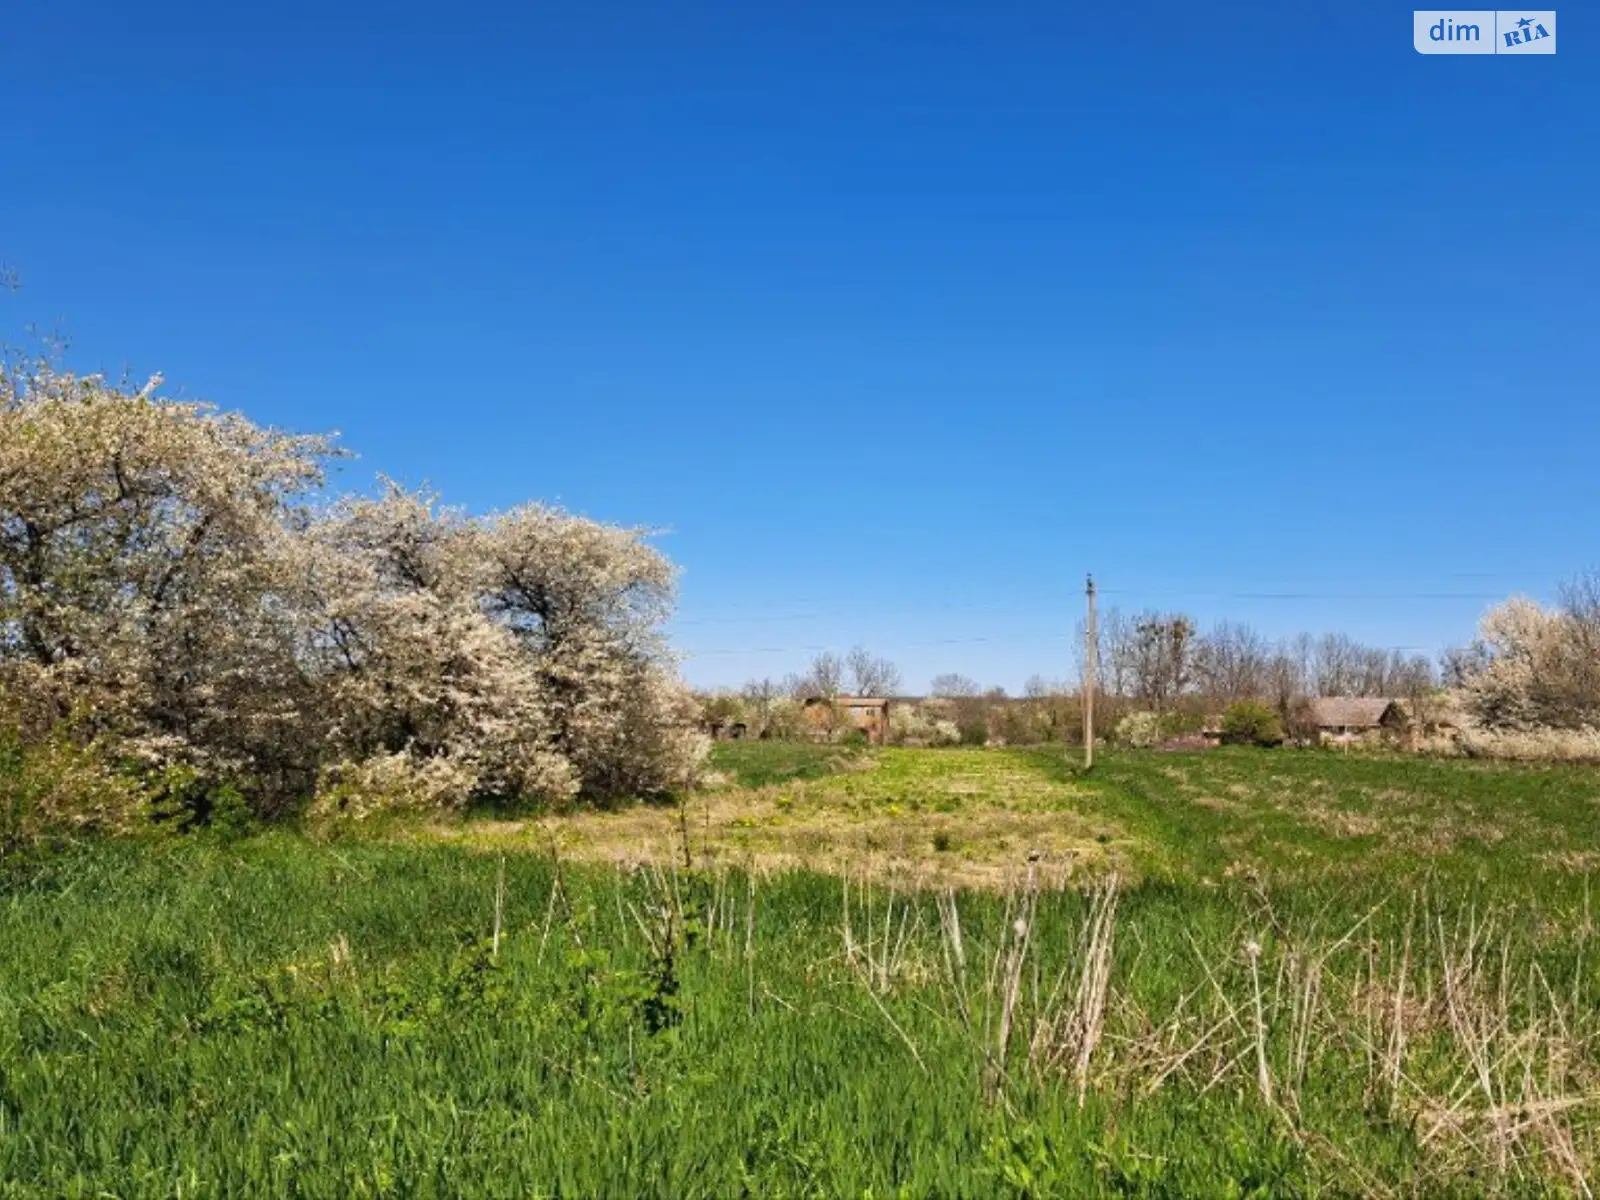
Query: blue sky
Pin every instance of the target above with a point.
(898, 317)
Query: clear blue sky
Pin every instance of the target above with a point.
(900, 317)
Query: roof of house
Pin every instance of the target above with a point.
(1349, 712)
(872, 701)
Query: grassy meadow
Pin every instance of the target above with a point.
(867, 973)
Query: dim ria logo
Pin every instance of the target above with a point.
(1486, 32)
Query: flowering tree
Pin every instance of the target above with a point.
(585, 602)
(166, 581)
(417, 675)
(144, 566)
(1533, 666)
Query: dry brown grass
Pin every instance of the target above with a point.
(1216, 804)
(954, 819)
(1341, 823)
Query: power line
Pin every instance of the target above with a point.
(821, 647)
(989, 613)
(1385, 596)
(1046, 614)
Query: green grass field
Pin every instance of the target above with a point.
(1235, 973)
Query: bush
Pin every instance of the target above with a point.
(1535, 668)
(1519, 745)
(1140, 730)
(1186, 741)
(55, 786)
(1251, 723)
(185, 800)
(973, 733)
(387, 784)
(921, 725)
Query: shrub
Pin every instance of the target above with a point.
(973, 733)
(916, 725)
(184, 800)
(1013, 724)
(1520, 745)
(56, 786)
(386, 784)
(1185, 742)
(783, 719)
(1140, 730)
(1251, 723)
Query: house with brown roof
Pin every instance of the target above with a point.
(1341, 720)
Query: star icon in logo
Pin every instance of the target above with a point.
(1525, 22)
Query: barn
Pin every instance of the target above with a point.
(1341, 720)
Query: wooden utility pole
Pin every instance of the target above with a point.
(1091, 654)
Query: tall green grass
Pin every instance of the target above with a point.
(282, 1017)
(755, 763)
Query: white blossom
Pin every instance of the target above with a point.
(165, 581)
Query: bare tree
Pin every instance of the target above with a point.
(1230, 662)
(824, 678)
(1284, 677)
(1116, 652)
(951, 686)
(1336, 664)
(760, 695)
(1037, 687)
(1163, 658)
(871, 675)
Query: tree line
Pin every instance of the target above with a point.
(1158, 659)
(1531, 670)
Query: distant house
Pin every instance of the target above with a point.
(1341, 720)
(825, 717)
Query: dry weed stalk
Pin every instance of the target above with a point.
(885, 953)
(1453, 1020)
(499, 903)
